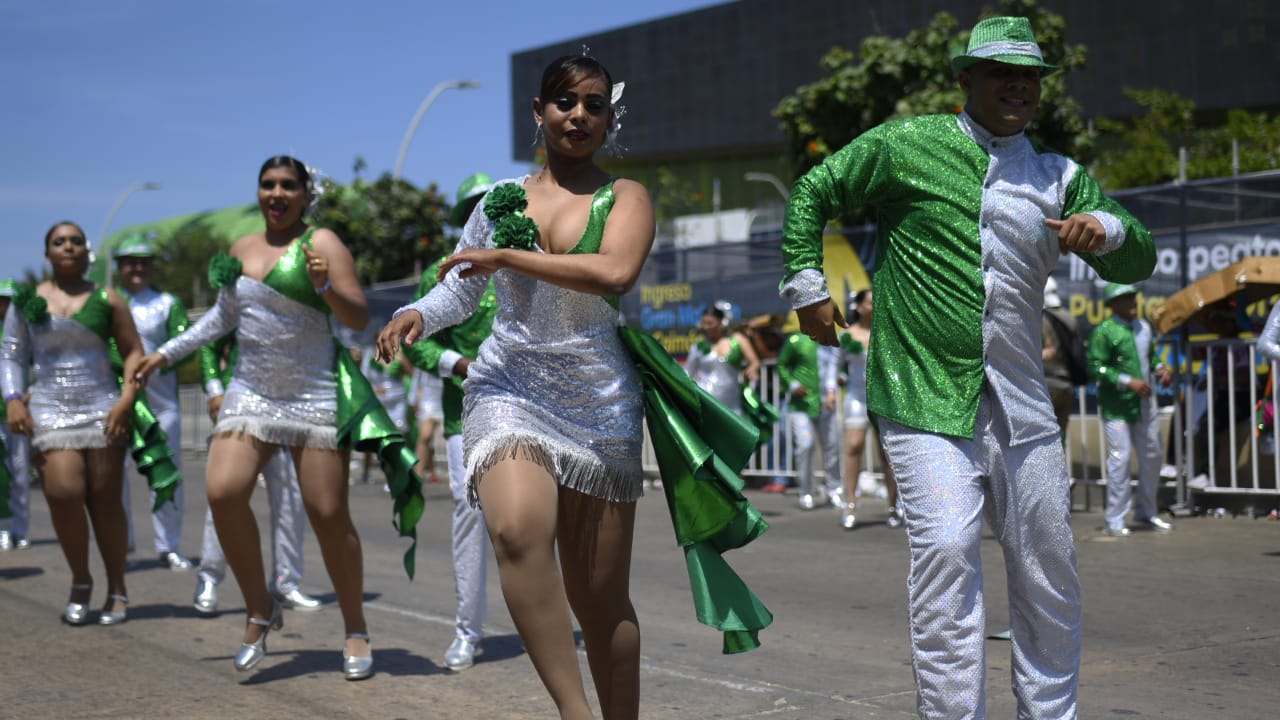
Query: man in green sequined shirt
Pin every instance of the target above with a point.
(972, 217)
(448, 354)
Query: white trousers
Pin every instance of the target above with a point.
(945, 485)
(805, 434)
(18, 447)
(470, 549)
(1123, 440)
(167, 521)
(288, 522)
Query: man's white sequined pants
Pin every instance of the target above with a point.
(18, 448)
(946, 484)
(470, 549)
(288, 523)
(1124, 439)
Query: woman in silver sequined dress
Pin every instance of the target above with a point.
(553, 406)
(283, 394)
(78, 415)
(719, 364)
(854, 342)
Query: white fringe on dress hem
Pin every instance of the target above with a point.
(276, 432)
(77, 439)
(571, 466)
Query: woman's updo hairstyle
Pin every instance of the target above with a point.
(300, 169)
(566, 70)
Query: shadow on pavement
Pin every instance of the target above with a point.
(17, 573)
(388, 661)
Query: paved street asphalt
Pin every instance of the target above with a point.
(1181, 625)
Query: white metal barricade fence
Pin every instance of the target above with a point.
(1235, 455)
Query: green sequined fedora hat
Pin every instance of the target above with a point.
(469, 193)
(1116, 290)
(1004, 40)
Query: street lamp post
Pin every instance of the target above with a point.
(111, 215)
(422, 110)
(772, 180)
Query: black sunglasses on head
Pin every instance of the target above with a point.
(77, 240)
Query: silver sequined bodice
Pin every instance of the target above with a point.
(283, 389)
(717, 376)
(73, 385)
(554, 370)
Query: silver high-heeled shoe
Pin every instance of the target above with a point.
(114, 617)
(251, 654)
(355, 667)
(77, 613)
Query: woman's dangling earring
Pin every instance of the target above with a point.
(537, 136)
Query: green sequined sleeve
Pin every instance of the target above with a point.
(1135, 259)
(425, 353)
(178, 320)
(176, 324)
(843, 183)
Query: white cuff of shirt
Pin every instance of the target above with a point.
(805, 288)
(1115, 231)
(214, 388)
(447, 360)
(1122, 380)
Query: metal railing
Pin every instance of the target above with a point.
(1223, 409)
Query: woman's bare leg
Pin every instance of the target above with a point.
(104, 473)
(520, 501)
(322, 476)
(62, 477)
(855, 440)
(235, 459)
(426, 449)
(595, 539)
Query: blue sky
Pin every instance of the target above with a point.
(98, 96)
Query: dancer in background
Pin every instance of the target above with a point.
(721, 363)
(78, 416)
(15, 465)
(277, 290)
(853, 355)
(448, 354)
(426, 395)
(158, 316)
(1124, 363)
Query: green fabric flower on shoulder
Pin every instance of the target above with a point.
(506, 199)
(35, 309)
(518, 232)
(223, 270)
(849, 344)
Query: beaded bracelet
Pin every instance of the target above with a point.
(326, 287)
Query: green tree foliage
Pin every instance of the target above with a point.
(1143, 150)
(182, 267)
(673, 195)
(902, 77)
(390, 225)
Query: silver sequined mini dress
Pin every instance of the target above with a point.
(74, 386)
(717, 375)
(553, 383)
(283, 389)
